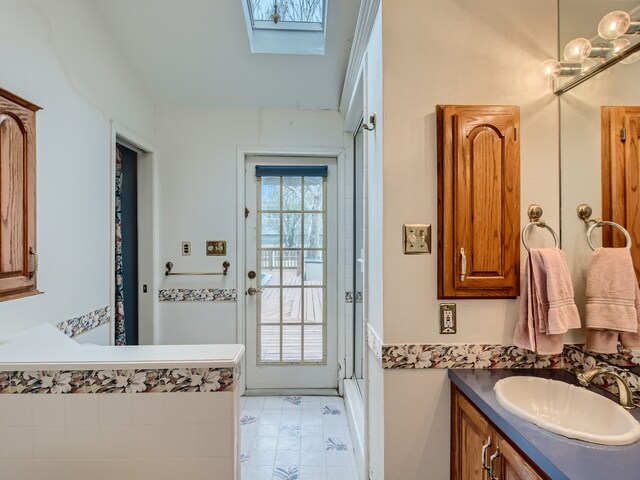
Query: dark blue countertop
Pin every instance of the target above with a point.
(559, 457)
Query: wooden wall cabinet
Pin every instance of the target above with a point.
(621, 177)
(479, 449)
(478, 201)
(18, 251)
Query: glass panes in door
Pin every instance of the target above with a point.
(292, 269)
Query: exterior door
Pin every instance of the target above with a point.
(291, 243)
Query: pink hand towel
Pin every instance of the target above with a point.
(547, 308)
(613, 300)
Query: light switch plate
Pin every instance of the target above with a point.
(216, 247)
(448, 321)
(417, 238)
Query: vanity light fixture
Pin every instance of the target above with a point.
(580, 49)
(615, 24)
(554, 68)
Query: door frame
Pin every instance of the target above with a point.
(241, 156)
(147, 233)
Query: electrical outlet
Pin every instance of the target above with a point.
(448, 323)
(186, 249)
(417, 238)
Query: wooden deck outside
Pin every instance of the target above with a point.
(292, 318)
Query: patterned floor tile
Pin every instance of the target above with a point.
(295, 438)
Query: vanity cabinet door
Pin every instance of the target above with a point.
(470, 432)
(512, 465)
(478, 201)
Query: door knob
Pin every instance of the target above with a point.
(253, 290)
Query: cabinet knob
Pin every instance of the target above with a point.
(464, 265)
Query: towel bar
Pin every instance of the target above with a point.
(169, 265)
(535, 212)
(584, 213)
(602, 223)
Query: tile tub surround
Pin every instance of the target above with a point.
(129, 437)
(555, 455)
(85, 409)
(295, 437)
(198, 295)
(84, 323)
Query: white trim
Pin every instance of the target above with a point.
(364, 26)
(241, 154)
(354, 406)
(150, 155)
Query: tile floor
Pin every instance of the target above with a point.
(295, 438)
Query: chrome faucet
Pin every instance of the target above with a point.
(624, 391)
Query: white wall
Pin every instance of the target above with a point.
(60, 56)
(197, 197)
(452, 52)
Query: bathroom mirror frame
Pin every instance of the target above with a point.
(564, 84)
(581, 162)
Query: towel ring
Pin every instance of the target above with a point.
(602, 223)
(541, 224)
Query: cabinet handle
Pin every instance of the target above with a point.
(491, 459)
(484, 453)
(34, 255)
(464, 265)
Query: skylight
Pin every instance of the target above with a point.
(286, 26)
(288, 14)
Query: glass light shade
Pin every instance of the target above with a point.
(633, 58)
(551, 67)
(619, 44)
(577, 50)
(587, 65)
(614, 25)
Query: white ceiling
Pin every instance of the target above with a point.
(197, 52)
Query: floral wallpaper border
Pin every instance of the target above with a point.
(575, 358)
(625, 357)
(75, 326)
(119, 381)
(198, 295)
(464, 356)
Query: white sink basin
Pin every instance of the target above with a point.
(567, 410)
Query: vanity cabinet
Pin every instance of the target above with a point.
(476, 445)
(478, 201)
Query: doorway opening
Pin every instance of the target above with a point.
(126, 251)
(133, 239)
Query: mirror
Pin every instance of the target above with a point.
(580, 136)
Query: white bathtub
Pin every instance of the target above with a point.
(85, 411)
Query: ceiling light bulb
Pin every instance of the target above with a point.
(614, 25)
(633, 58)
(577, 50)
(549, 67)
(619, 44)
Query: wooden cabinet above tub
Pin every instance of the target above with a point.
(18, 254)
(479, 451)
(478, 201)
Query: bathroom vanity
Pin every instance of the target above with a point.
(480, 427)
